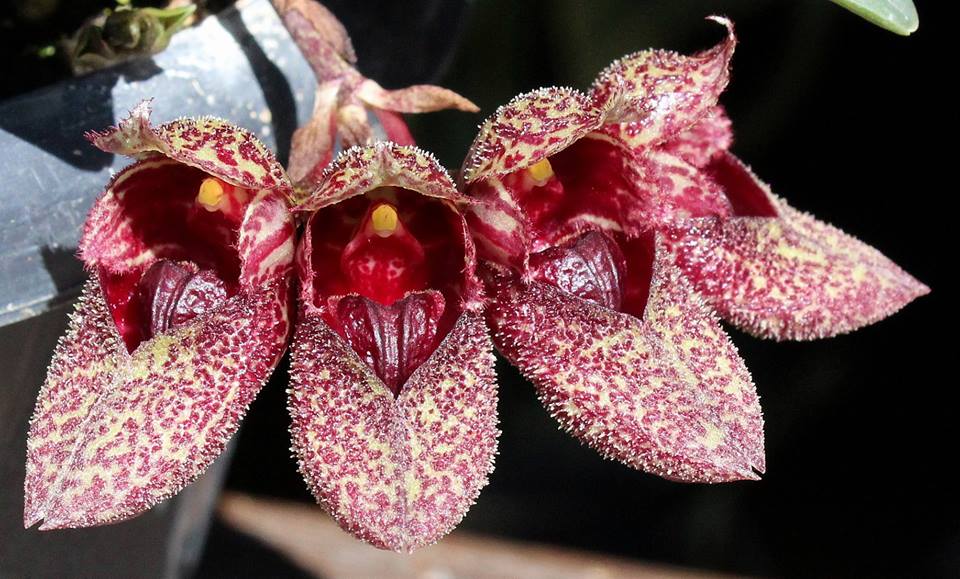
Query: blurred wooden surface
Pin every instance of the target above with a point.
(312, 540)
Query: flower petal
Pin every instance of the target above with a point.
(497, 225)
(81, 370)
(110, 235)
(226, 151)
(531, 127)
(397, 473)
(114, 433)
(133, 136)
(703, 141)
(651, 96)
(323, 22)
(680, 189)
(667, 393)
(394, 127)
(322, 38)
(786, 275)
(312, 146)
(419, 98)
(360, 169)
(213, 145)
(267, 240)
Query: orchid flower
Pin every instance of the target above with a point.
(190, 253)
(344, 96)
(393, 394)
(613, 225)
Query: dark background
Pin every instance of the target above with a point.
(845, 120)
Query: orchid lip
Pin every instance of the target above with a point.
(179, 246)
(387, 270)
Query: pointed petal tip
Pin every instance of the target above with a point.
(31, 518)
(52, 525)
(723, 21)
(131, 136)
(779, 273)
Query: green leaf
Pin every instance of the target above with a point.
(899, 16)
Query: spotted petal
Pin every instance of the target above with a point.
(120, 423)
(399, 472)
(678, 190)
(779, 273)
(382, 164)
(699, 144)
(115, 433)
(209, 144)
(651, 96)
(322, 38)
(531, 127)
(666, 393)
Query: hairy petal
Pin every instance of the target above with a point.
(400, 472)
(133, 136)
(223, 150)
(110, 234)
(531, 127)
(787, 275)
(667, 393)
(81, 370)
(419, 98)
(699, 144)
(651, 96)
(681, 190)
(210, 144)
(114, 433)
(381, 164)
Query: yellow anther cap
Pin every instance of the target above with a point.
(384, 220)
(210, 194)
(541, 170)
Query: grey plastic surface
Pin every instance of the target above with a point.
(240, 65)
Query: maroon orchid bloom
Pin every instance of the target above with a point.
(190, 253)
(346, 99)
(393, 397)
(612, 226)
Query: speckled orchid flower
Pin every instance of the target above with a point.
(346, 99)
(393, 397)
(186, 313)
(614, 224)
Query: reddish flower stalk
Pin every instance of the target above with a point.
(345, 98)
(393, 395)
(190, 251)
(610, 224)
